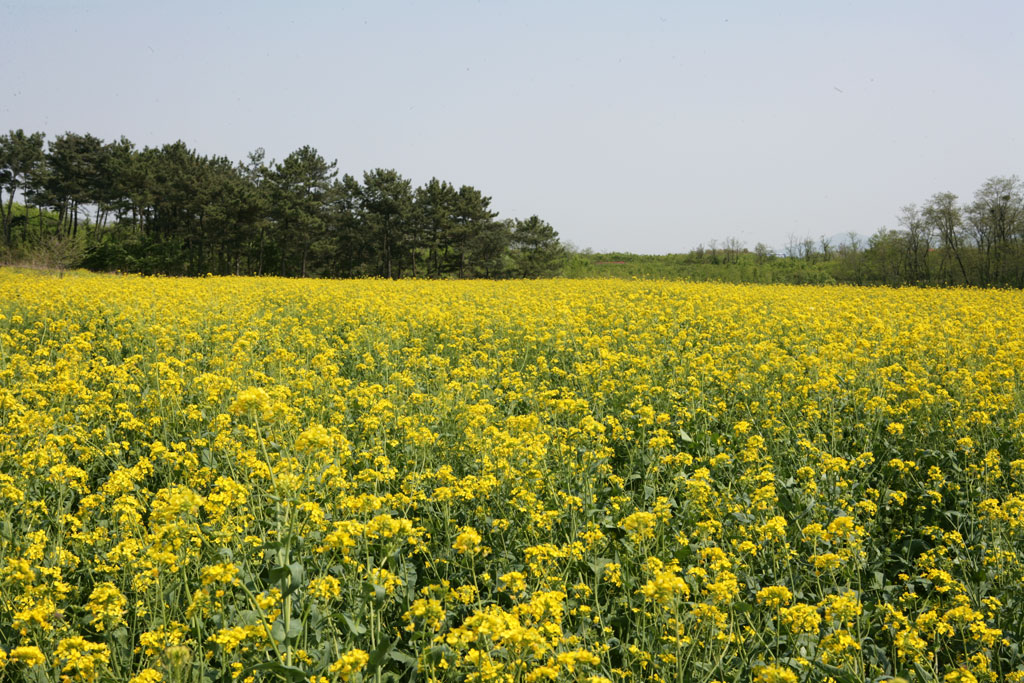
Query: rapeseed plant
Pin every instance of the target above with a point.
(241, 479)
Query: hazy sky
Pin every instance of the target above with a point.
(637, 126)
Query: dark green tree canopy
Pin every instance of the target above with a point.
(170, 209)
(536, 250)
(21, 163)
(385, 207)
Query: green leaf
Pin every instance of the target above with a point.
(280, 634)
(289, 576)
(614, 530)
(598, 565)
(120, 636)
(685, 554)
(404, 658)
(354, 627)
(248, 617)
(278, 574)
(837, 673)
(922, 674)
(411, 578)
(436, 654)
(288, 673)
(297, 572)
(740, 607)
(377, 593)
(272, 546)
(294, 628)
(378, 654)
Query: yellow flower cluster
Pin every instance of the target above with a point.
(237, 479)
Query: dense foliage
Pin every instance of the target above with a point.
(109, 206)
(599, 480)
(168, 210)
(943, 242)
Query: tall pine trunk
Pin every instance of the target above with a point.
(7, 219)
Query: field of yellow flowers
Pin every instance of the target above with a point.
(229, 479)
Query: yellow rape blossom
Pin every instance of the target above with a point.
(349, 664)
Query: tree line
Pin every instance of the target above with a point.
(943, 241)
(948, 242)
(170, 210)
